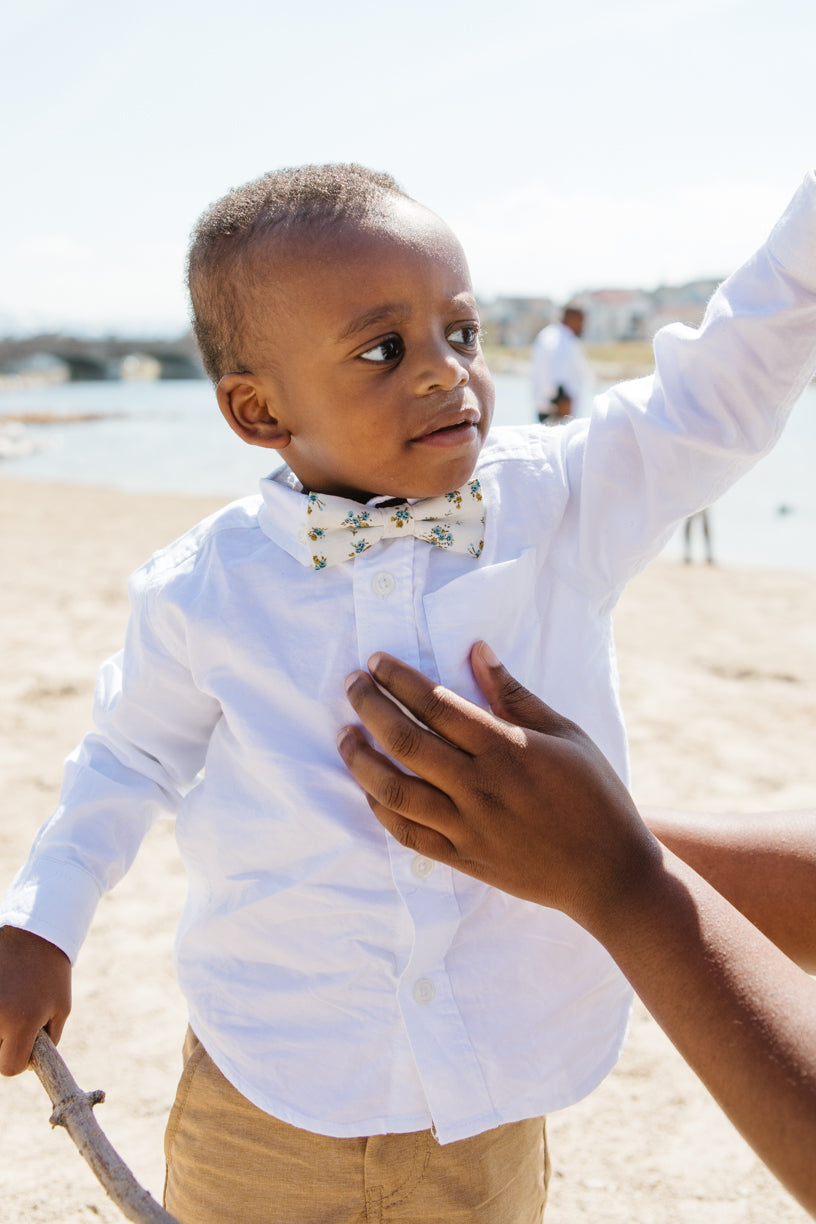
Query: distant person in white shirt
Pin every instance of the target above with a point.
(702, 520)
(560, 374)
(374, 1036)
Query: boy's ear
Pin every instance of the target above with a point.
(244, 406)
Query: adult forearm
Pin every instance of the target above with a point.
(740, 1012)
(764, 863)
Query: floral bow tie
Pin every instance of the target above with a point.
(338, 529)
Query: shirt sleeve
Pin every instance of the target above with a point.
(153, 726)
(659, 449)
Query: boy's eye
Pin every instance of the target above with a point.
(390, 349)
(467, 334)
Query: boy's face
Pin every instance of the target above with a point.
(366, 353)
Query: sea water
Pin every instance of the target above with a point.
(169, 437)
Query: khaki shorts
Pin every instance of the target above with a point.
(228, 1162)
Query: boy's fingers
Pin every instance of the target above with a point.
(54, 1028)
(409, 807)
(15, 1053)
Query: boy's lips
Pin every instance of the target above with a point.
(452, 429)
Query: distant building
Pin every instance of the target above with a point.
(616, 314)
(680, 304)
(699, 292)
(514, 322)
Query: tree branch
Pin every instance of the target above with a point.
(73, 1109)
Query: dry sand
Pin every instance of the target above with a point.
(719, 686)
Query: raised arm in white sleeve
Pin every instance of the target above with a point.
(661, 448)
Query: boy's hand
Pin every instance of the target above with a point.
(524, 801)
(35, 993)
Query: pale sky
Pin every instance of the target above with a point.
(581, 145)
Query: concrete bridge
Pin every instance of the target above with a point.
(111, 358)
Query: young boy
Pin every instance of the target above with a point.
(374, 1036)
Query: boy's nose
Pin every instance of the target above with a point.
(443, 371)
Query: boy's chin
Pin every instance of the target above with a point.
(432, 482)
(438, 488)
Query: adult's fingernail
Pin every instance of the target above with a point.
(488, 655)
(350, 680)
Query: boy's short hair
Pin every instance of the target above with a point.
(220, 273)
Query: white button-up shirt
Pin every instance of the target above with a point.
(341, 982)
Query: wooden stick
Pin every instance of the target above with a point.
(73, 1109)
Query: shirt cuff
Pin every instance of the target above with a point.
(54, 900)
(792, 241)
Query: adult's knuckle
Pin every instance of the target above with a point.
(407, 835)
(505, 755)
(404, 742)
(488, 783)
(435, 709)
(394, 794)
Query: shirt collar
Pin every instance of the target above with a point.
(282, 519)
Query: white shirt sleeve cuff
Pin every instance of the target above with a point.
(792, 241)
(54, 900)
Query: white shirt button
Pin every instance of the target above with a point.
(382, 584)
(423, 992)
(422, 867)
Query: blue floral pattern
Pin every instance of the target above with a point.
(357, 521)
(453, 521)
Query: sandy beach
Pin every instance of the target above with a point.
(719, 687)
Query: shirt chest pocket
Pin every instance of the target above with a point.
(496, 603)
